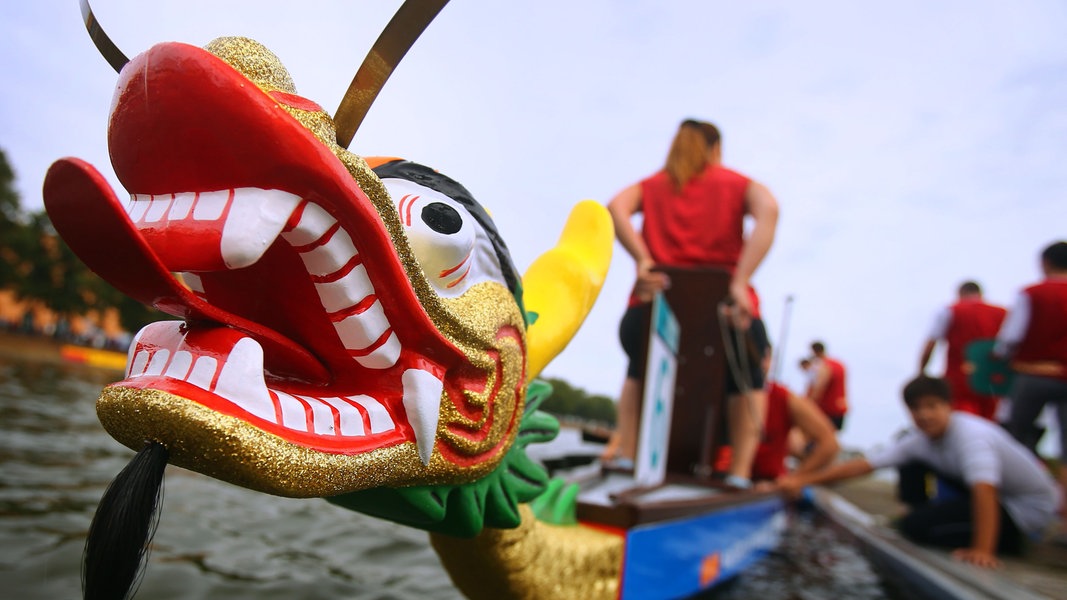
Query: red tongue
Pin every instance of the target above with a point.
(90, 219)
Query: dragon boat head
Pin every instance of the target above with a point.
(346, 328)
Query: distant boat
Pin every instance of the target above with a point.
(95, 357)
(595, 435)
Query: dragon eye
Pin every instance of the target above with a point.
(450, 245)
(442, 218)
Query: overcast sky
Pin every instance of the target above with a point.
(911, 144)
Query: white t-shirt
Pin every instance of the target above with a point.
(939, 328)
(1013, 329)
(976, 450)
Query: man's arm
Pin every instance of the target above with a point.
(793, 483)
(622, 208)
(985, 515)
(1013, 329)
(928, 351)
(817, 428)
(938, 331)
(821, 381)
(761, 204)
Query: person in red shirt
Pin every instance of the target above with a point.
(694, 211)
(794, 426)
(828, 386)
(969, 319)
(1034, 338)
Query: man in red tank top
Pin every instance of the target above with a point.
(969, 319)
(694, 211)
(1034, 337)
(828, 387)
(794, 426)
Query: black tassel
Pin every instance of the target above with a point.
(122, 528)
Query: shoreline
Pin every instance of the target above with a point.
(43, 349)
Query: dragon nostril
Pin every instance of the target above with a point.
(442, 218)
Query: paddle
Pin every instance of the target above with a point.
(989, 375)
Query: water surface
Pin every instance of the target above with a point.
(214, 540)
(219, 541)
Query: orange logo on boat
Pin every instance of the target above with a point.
(709, 569)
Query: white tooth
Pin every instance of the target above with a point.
(150, 350)
(180, 365)
(137, 365)
(331, 256)
(379, 417)
(193, 281)
(321, 415)
(360, 330)
(241, 380)
(158, 363)
(210, 205)
(203, 372)
(314, 223)
(183, 203)
(351, 418)
(255, 220)
(131, 355)
(346, 291)
(422, 402)
(138, 206)
(157, 208)
(293, 414)
(383, 356)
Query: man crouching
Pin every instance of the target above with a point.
(995, 492)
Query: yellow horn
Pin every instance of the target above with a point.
(561, 286)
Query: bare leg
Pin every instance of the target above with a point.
(797, 443)
(623, 442)
(1062, 476)
(746, 413)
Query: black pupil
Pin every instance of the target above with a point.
(442, 218)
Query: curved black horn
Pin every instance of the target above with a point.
(107, 48)
(410, 20)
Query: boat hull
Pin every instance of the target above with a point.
(688, 555)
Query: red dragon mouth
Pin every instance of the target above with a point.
(300, 317)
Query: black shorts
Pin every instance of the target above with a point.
(633, 335)
(748, 350)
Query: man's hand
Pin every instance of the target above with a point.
(741, 310)
(979, 558)
(764, 486)
(790, 486)
(649, 282)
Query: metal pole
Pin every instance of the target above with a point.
(779, 350)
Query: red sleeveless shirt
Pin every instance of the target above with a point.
(833, 401)
(1046, 334)
(971, 320)
(769, 462)
(701, 225)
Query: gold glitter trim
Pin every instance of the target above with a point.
(534, 560)
(235, 451)
(232, 450)
(254, 61)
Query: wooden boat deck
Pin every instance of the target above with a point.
(866, 506)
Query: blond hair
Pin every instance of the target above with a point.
(688, 155)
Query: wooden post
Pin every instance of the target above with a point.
(698, 420)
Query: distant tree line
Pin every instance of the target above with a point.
(568, 401)
(38, 266)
